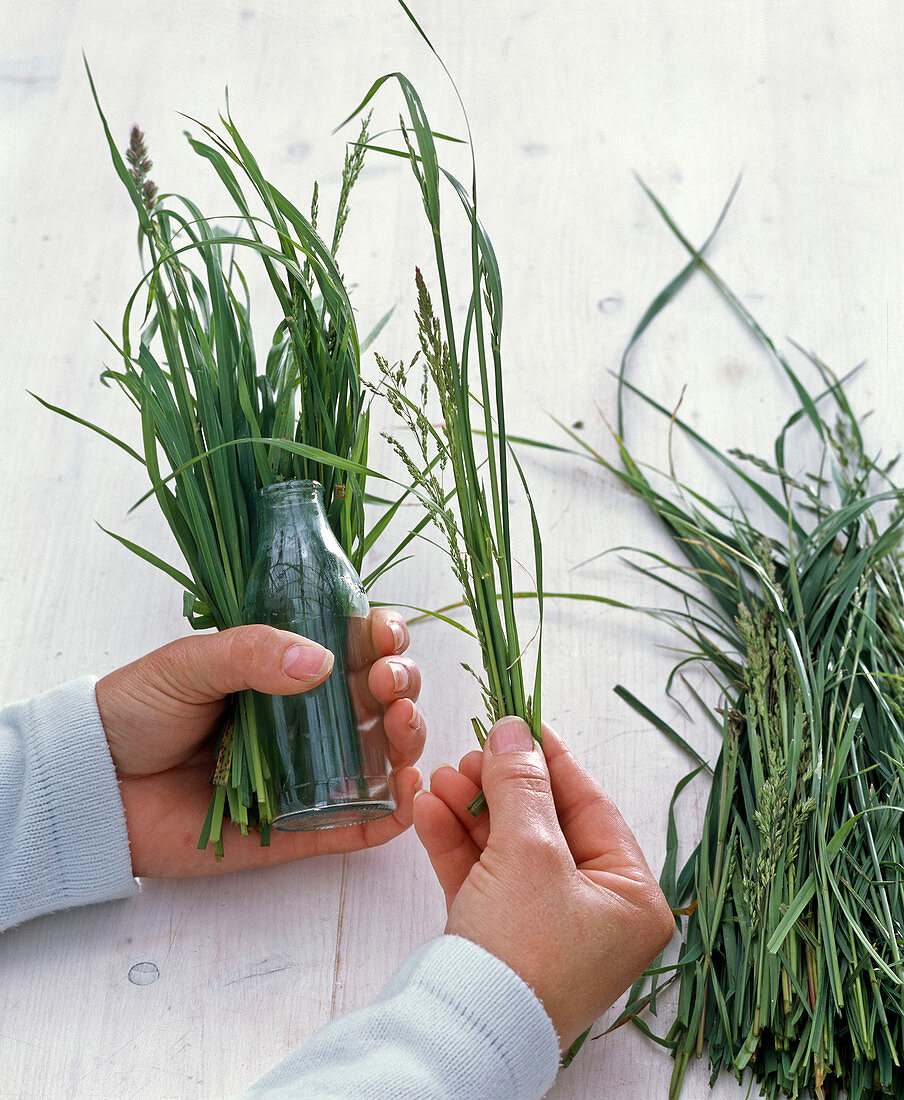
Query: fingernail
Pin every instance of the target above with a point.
(419, 782)
(400, 676)
(510, 735)
(397, 630)
(305, 662)
(414, 721)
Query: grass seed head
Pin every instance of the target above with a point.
(140, 165)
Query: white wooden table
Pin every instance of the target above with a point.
(565, 99)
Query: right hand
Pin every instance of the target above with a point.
(551, 880)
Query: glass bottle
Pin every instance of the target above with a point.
(325, 748)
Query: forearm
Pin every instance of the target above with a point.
(454, 1022)
(61, 818)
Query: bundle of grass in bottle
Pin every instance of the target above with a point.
(791, 905)
(463, 372)
(217, 427)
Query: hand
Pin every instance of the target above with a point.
(551, 880)
(160, 713)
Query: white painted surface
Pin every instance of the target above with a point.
(565, 100)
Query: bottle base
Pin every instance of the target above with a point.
(332, 816)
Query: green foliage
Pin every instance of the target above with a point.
(216, 425)
(462, 370)
(791, 906)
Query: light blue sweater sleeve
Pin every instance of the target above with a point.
(61, 817)
(454, 1023)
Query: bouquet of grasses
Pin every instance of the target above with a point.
(215, 425)
(473, 516)
(791, 904)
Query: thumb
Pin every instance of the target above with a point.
(207, 667)
(515, 781)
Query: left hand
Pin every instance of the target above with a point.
(160, 714)
(551, 880)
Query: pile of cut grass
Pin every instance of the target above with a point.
(791, 905)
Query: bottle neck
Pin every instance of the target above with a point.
(294, 544)
(283, 494)
(292, 502)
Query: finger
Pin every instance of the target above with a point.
(405, 731)
(471, 765)
(405, 783)
(375, 686)
(457, 791)
(596, 833)
(392, 678)
(386, 633)
(208, 667)
(450, 849)
(516, 783)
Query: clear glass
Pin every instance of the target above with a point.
(326, 750)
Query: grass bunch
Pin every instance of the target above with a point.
(791, 905)
(216, 425)
(462, 371)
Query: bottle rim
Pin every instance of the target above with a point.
(305, 486)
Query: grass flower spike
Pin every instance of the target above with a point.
(462, 371)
